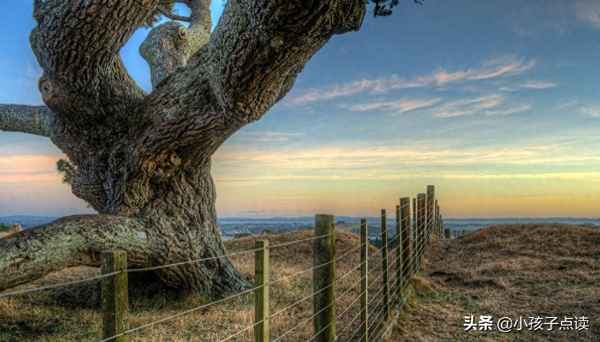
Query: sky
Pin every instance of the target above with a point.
(494, 102)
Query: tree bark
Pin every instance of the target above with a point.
(37, 120)
(70, 241)
(182, 225)
(143, 160)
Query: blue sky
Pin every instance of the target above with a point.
(496, 102)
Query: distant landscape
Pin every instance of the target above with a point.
(241, 226)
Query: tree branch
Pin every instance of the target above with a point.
(200, 14)
(37, 120)
(169, 14)
(77, 44)
(170, 45)
(260, 47)
(71, 241)
(250, 63)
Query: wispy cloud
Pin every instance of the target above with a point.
(589, 176)
(468, 106)
(591, 111)
(530, 85)
(495, 68)
(394, 107)
(509, 110)
(588, 11)
(564, 104)
(538, 85)
(270, 136)
(389, 161)
(489, 105)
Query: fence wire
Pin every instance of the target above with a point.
(56, 286)
(419, 237)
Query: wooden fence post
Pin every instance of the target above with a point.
(399, 238)
(115, 296)
(441, 222)
(261, 294)
(407, 237)
(415, 235)
(385, 265)
(324, 279)
(436, 219)
(421, 217)
(364, 281)
(430, 211)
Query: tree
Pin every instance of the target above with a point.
(142, 160)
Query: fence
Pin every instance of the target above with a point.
(382, 285)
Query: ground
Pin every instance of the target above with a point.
(71, 314)
(516, 270)
(502, 270)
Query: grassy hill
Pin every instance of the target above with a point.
(512, 270)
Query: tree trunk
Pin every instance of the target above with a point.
(143, 160)
(178, 225)
(182, 225)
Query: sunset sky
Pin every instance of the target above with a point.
(495, 102)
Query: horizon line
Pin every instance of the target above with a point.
(349, 216)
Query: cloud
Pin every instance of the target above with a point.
(509, 110)
(590, 111)
(396, 107)
(538, 85)
(588, 176)
(392, 161)
(567, 104)
(356, 87)
(531, 85)
(468, 106)
(588, 12)
(269, 136)
(495, 68)
(25, 169)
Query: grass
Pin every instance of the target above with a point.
(502, 270)
(509, 270)
(4, 227)
(72, 314)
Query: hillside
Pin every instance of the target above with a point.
(516, 270)
(512, 270)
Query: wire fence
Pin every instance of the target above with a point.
(385, 274)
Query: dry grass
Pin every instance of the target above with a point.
(72, 314)
(503, 270)
(515, 270)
